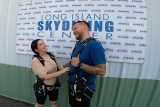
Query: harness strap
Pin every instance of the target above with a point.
(42, 62)
(85, 44)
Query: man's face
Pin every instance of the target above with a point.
(78, 30)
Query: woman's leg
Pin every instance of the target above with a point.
(53, 103)
(53, 96)
(38, 105)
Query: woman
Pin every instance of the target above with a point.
(46, 72)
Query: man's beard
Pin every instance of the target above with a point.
(79, 37)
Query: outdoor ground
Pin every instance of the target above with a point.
(7, 102)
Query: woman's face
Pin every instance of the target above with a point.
(41, 46)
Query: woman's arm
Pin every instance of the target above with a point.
(41, 71)
(55, 74)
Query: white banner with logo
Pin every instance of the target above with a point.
(120, 25)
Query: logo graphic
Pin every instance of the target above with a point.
(120, 26)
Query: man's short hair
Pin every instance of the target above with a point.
(86, 23)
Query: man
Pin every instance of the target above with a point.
(87, 61)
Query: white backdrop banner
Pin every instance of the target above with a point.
(120, 25)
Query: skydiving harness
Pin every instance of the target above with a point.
(79, 86)
(39, 86)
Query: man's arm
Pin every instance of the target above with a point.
(97, 70)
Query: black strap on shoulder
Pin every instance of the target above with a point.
(53, 58)
(39, 58)
(51, 55)
(85, 44)
(42, 61)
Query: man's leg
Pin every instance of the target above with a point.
(72, 101)
(85, 101)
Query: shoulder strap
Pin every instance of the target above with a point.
(39, 58)
(51, 55)
(53, 58)
(42, 60)
(86, 42)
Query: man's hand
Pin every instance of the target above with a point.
(75, 61)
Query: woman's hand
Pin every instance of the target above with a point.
(66, 69)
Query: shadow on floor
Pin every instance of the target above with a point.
(7, 102)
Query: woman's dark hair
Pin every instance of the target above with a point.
(34, 45)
